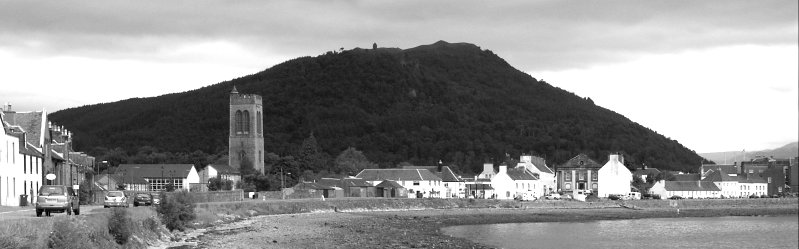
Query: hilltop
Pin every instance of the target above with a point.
(453, 102)
(787, 151)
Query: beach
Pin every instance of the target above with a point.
(421, 228)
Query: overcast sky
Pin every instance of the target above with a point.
(714, 75)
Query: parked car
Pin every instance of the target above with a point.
(57, 199)
(115, 199)
(156, 198)
(552, 196)
(675, 197)
(142, 199)
(525, 197)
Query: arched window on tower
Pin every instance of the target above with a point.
(259, 120)
(246, 122)
(238, 122)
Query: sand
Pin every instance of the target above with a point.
(420, 228)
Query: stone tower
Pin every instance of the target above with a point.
(246, 142)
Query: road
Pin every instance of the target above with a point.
(12, 213)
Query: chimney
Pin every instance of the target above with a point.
(503, 168)
(7, 107)
(440, 167)
(614, 157)
(699, 183)
(488, 167)
(643, 164)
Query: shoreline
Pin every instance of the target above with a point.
(422, 228)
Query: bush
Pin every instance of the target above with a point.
(119, 225)
(176, 210)
(67, 233)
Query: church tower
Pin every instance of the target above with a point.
(246, 144)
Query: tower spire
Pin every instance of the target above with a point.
(234, 91)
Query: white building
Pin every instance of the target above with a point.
(182, 176)
(418, 182)
(685, 189)
(614, 178)
(727, 183)
(538, 167)
(20, 166)
(453, 185)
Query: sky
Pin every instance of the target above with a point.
(713, 75)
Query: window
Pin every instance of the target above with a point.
(246, 121)
(238, 122)
(258, 121)
(415, 183)
(779, 189)
(581, 175)
(568, 186)
(769, 180)
(594, 175)
(751, 171)
(568, 175)
(594, 186)
(24, 164)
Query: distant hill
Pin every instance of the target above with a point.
(453, 102)
(790, 150)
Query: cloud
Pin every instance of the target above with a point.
(532, 35)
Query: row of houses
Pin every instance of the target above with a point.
(33, 148)
(754, 178)
(529, 177)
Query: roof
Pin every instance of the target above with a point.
(718, 176)
(344, 182)
(726, 168)
(224, 168)
(580, 161)
(123, 178)
(690, 186)
(310, 185)
(389, 184)
(687, 177)
(29, 122)
(398, 175)
(156, 170)
(521, 174)
(640, 172)
(537, 162)
(446, 173)
(751, 178)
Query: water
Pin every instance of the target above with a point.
(715, 232)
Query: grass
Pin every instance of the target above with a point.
(82, 231)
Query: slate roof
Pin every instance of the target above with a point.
(540, 164)
(389, 184)
(751, 178)
(344, 182)
(690, 186)
(575, 162)
(398, 175)
(446, 173)
(718, 176)
(225, 169)
(155, 170)
(118, 179)
(521, 174)
(640, 172)
(687, 177)
(310, 185)
(726, 168)
(29, 122)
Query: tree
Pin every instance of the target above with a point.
(311, 156)
(352, 161)
(217, 184)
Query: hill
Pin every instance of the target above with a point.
(446, 101)
(790, 150)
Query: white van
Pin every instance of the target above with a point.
(632, 196)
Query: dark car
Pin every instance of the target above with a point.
(142, 199)
(57, 199)
(675, 197)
